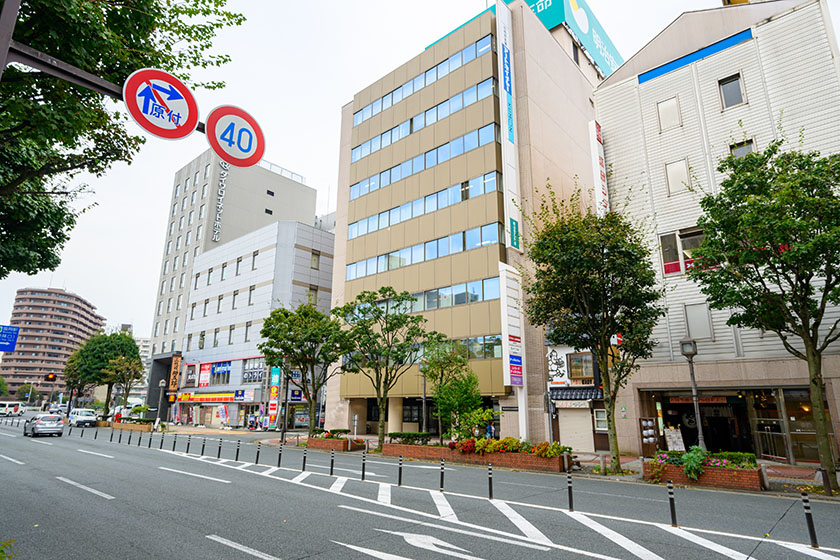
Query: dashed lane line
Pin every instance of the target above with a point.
(12, 460)
(7, 435)
(85, 488)
(242, 548)
(33, 440)
(384, 495)
(95, 453)
(195, 475)
(301, 477)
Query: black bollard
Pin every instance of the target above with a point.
(673, 504)
(161, 440)
(174, 441)
(332, 461)
(364, 458)
(129, 438)
(82, 434)
(203, 443)
(490, 480)
(442, 463)
(119, 439)
(279, 455)
(219, 450)
(571, 496)
(139, 439)
(150, 441)
(189, 441)
(399, 473)
(95, 432)
(111, 439)
(237, 450)
(70, 431)
(809, 519)
(257, 460)
(303, 465)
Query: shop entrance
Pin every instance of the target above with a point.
(726, 425)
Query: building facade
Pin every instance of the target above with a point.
(224, 378)
(715, 82)
(438, 160)
(53, 324)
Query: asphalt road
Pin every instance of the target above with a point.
(79, 497)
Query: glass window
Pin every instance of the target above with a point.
(493, 346)
(405, 169)
(385, 178)
(431, 250)
(385, 138)
(483, 45)
(431, 76)
(417, 302)
(454, 194)
(374, 144)
(741, 149)
(443, 69)
(731, 93)
(486, 134)
(383, 220)
(394, 216)
(490, 182)
(431, 116)
(468, 54)
(445, 297)
(431, 203)
(394, 260)
(697, 320)
(417, 208)
(473, 238)
(405, 129)
(581, 365)
(443, 110)
(366, 112)
(417, 253)
(407, 89)
(476, 348)
(382, 263)
(459, 294)
(353, 230)
(370, 266)
(397, 95)
(405, 212)
(373, 223)
(456, 103)
(474, 291)
(373, 183)
(362, 227)
(354, 191)
(676, 174)
(443, 246)
(456, 147)
(485, 88)
(419, 164)
(386, 101)
(456, 243)
(443, 153)
(431, 158)
(431, 300)
(470, 96)
(476, 187)
(600, 419)
(418, 122)
(443, 199)
(470, 141)
(489, 234)
(405, 256)
(377, 107)
(419, 82)
(689, 242)
(357, 118)
(669, 113)
(454, 61)
(365, 148)
(491, 288)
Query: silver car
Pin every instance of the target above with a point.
(44, 424)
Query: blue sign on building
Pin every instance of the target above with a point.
(8, 338)
(515, 360)
(239, 396)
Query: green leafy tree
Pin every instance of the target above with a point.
(76, 385)
(456, 400)
(592, 279)
(95, 355)
(308, 341)
(51, 129)
(444, 362)
(26, 388)
(386, 340)
(771, 256)
(4, 388)
(124, 372)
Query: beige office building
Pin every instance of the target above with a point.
(431, 162)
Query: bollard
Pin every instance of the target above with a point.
(257, 460)
(332, 461)
(140, 439)
(203, 443)
(603, 464)
(161, 441)
(298, 440)
(673, 504)
(189, 441)
(442, 463)
(364, 458)
(490, 480)
(567, 462)
(809, 519)
(119, 439)
(111, 439)
(219, 450)
(150, 440)
(129, 439)
(571, 496)
(399, 473)
(174, 441)
(827, 486)
(95, 432)
(237, 451)
(70, 431)
(82, 434)
(279, 455)
(303, 465)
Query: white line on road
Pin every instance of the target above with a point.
(41, 442)
(384, 495)
(242, 548)
(195, 475)
(557, 489)
(12, 460)
(338, 484)
(7, 435)
(86, 488)
(302, 476)
(373, 553)
(95, 453)
(270, 471)
(808, 551)
(442, 505)
(520, 522)
(706, 543)
(619, 539)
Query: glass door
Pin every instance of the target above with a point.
(767, 425)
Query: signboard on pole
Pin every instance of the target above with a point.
(599, 169)
(8, 338)
(513, 349)
(235, 136)
(160, 104)
(274, 396)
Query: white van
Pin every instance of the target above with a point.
(12, 409)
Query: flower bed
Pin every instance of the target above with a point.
(132, 427)
(337, 444)
(500, 459)
(721, 470)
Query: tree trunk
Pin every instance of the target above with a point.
(440, 428)
(615, 457)
(107, 400)
(817, 394)
(312, 408)
(382, 404)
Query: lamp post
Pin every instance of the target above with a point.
(688, 348)
(162, 386)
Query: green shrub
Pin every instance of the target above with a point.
(742, 460)
(693, 462)
(411, 438)
(338, 431)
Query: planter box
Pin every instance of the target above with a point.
(132, 427)
(102, 424)
(333, 444)
(738, 479)
(523, 461)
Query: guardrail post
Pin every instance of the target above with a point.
(257, 460)
(571, 496)
(672, 504)
(442, 463)
(332, 461)
(399, 472)
(490, 480)
(809, 519)
(303, 465)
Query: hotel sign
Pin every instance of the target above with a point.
(220, 200)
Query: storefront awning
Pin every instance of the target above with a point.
(576, 393)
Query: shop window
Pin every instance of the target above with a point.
(600, 419)
(411, 411)
(581, 366)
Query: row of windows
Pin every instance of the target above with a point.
(456, 147)
(192, 198)
(427, 78)
(216, 337)
(463, 191)
(190, 219)
(223, 270)
(459, 294)
(426, 118)
(195, 181)
(251, 291)
(731, 91)
(449, 245)
(186, 239)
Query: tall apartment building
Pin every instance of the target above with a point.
(212, 203)
(53, 324)
(716, 82)
(236, 286)
(436, 160)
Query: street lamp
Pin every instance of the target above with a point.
(162, 386)
(688, 348)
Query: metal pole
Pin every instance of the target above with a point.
(303, 465)
(111, 439)
(279, 455)
(162, 435)
(150, 441)
(423, 429)
(139, 439)
(364, 458)
(332, 461)
(672, 503)
(257, 460)
(571, 496)
(700, 440)
(442, 463)
(490, 480)
(237, 451)
(809, 519)
(399, 473)
(82, 434)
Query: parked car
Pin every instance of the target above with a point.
(81, 417)
(12, 409)
(43, 424)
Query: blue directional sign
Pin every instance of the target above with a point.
(515, 360)
(8, 338)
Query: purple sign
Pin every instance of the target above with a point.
(516, 380)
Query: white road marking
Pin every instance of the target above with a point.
(13, 460)
(338, 484)
(301, 477)
(373, 553)
(221, 461)
(195, 475)
(808, 551)
(242, 548)
(619, 539)
(384, 493)
(270, 471)
(442, 505)
(95, 453)
(33, 440)
(353, 471)
(521, 523)
(428, 542)
(243, 466)
(706, 543)
(86, 488)
(7, 435)
(556, 488)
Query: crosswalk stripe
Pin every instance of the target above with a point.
(301, 477)
(338, 484)
(384, 493)
(442, 505)
(521, 523)
(619, 539)
(270, 471)
(808, 551)
(706, 543)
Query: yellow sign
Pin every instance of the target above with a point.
(175, 372)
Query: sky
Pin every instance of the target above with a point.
(295, 64)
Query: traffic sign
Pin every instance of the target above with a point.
(235, 136)
(160, 103)
(8, 338)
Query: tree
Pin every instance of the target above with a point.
(386, 340)
(4, 388)
(456, 400)
(28, 388)
(95, 355)
(592, 279)
(51, 129)
(124, 372)
(771, 256)
(308, 341)
(444, 362)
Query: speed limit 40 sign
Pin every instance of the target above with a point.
(235, 136)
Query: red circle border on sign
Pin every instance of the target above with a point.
(132, 85)
(210, 132)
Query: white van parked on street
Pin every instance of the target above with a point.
(12, 409)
